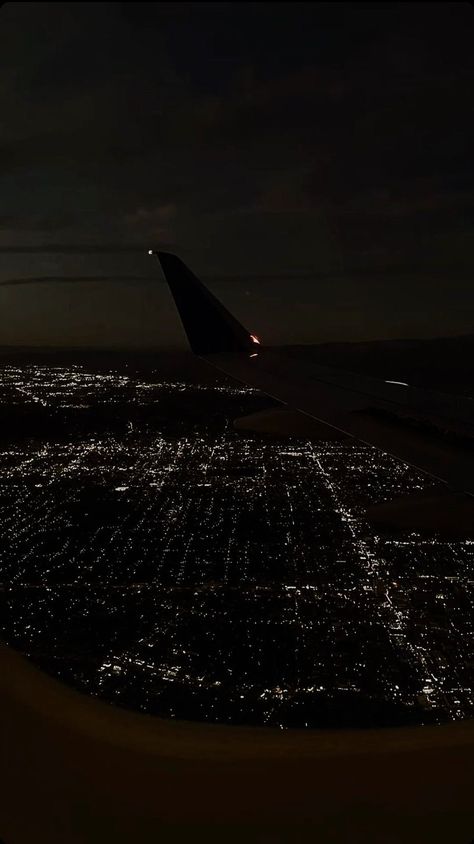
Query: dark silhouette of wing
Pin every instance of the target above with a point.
(209, 326)
(430, 431)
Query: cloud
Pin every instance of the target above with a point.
(283, 142)
(79, 249)
(113, 279)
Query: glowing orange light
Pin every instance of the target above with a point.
(255, 339)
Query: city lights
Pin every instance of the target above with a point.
(165, 562)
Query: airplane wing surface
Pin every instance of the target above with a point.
(431, 431)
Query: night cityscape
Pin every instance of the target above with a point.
(236, 423)
(154, 557)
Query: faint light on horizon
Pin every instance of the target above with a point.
(401, 383)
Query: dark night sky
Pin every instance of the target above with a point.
(313, 162)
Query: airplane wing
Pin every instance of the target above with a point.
(431, 431)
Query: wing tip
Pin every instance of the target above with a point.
(164, 256)
(210, 328)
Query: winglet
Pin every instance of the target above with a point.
(210, 328)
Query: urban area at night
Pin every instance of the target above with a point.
(157, 558)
